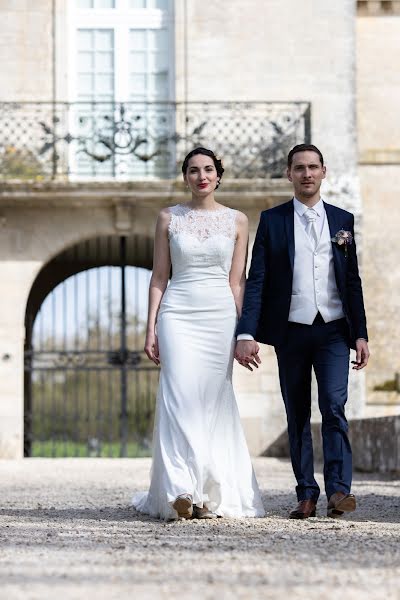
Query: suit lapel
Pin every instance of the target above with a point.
(289, 226)
(334, 226)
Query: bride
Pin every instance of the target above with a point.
(201, 465)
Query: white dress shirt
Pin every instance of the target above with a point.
(319, 208)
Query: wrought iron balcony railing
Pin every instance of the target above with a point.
(114, 141)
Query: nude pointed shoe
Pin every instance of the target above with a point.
(184, 506)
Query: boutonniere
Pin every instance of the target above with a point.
(343, 238)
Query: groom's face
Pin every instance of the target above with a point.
(306, 173)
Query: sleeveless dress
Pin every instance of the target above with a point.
(199, 446)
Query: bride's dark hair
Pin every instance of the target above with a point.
(217, 161)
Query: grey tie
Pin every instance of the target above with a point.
(311, 227)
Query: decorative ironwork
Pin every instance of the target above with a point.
(142, 140)
(89, 389)
(83, 359)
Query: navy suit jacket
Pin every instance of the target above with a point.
(269, 285)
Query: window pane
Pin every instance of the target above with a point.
(138, 85)
(138, 62)
(86, 61)
(157, 61)
(160, 4)
(157, 39)
(104, 4)
(138, 3)
(160, 86)
(95, 66)
(163, 40)
(104, 39)
(153, 60)
(104, 62)
(104, 84)
(83, 4)
(85, 84)
(152, 39)
(138, 39)
(85, 39)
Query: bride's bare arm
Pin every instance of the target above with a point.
(237, 275)
(246, 350)
(158, 282)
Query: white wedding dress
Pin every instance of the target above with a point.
(199, 446)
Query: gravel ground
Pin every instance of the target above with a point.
(67, 532)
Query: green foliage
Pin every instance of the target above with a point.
(387, 386)
(61, 449)
(79, 406)
(18, 164)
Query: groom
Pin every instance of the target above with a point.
(304, 297)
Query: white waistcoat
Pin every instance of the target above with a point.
(314, 286)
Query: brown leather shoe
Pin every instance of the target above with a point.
(304, 509)
(203, 513)
(340, 503)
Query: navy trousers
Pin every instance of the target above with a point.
(324, 347)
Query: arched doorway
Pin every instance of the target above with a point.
(89, 388)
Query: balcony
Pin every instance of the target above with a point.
(104, 141)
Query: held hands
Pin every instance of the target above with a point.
(362, 355)
(246, 353)
(151, 348)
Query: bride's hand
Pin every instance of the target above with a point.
(151, 348)
(246, 353)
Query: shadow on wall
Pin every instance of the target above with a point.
(375, 443)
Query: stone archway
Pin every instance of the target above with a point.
(88, 388)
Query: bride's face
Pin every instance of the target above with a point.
(201, 175)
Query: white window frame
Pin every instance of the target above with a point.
(121, 19)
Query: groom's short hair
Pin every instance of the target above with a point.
(304, 148)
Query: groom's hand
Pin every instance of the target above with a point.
(246, 353)
(362, 354)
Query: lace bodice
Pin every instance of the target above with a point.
(202, 224)
(201, 243)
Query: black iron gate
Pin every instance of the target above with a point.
(89, 388)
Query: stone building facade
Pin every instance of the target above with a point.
(378, 129)
(235, 53)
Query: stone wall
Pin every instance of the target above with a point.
(375, 444)
(26, 48)
(378, 87)
(382, 282)
(254, 51)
